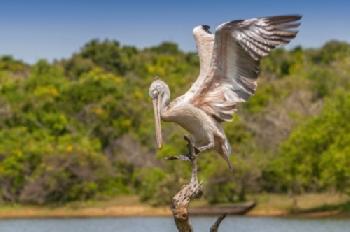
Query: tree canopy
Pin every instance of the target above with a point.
(82, 127)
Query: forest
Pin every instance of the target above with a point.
(82, 128)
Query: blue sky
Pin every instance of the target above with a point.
(36, 29)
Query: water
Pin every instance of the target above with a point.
(230, 224)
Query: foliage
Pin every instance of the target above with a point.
(315, 156)
(60, 121)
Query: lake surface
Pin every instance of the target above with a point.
(230, 224)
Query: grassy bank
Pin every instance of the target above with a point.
(310, 205)
(123, 206)
(307, 205)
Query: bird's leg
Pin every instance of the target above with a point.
(208, 146)
(200, 149)
(188, 156)
(192, 150)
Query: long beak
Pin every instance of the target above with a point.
(156, 107)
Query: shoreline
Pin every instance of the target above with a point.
(143, 211)
(114, 211)
(268, 205)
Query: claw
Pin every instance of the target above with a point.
(171, 158)
(180, 157)
(196, 149)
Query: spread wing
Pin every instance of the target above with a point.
(234, 67)
(204, 43)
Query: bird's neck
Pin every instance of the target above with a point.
(165, 102)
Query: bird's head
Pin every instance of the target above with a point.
(160, 94)
(159, 88)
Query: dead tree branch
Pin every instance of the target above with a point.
(215, 226)
(192, 190)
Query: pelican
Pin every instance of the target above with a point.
(229, 67)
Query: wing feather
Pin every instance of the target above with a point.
(238, 47)
(204, 43)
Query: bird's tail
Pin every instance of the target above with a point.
(228, 163)
(226, 152)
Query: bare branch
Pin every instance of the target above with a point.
(215, 226)
(188, 192)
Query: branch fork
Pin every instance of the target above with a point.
(188, 192)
